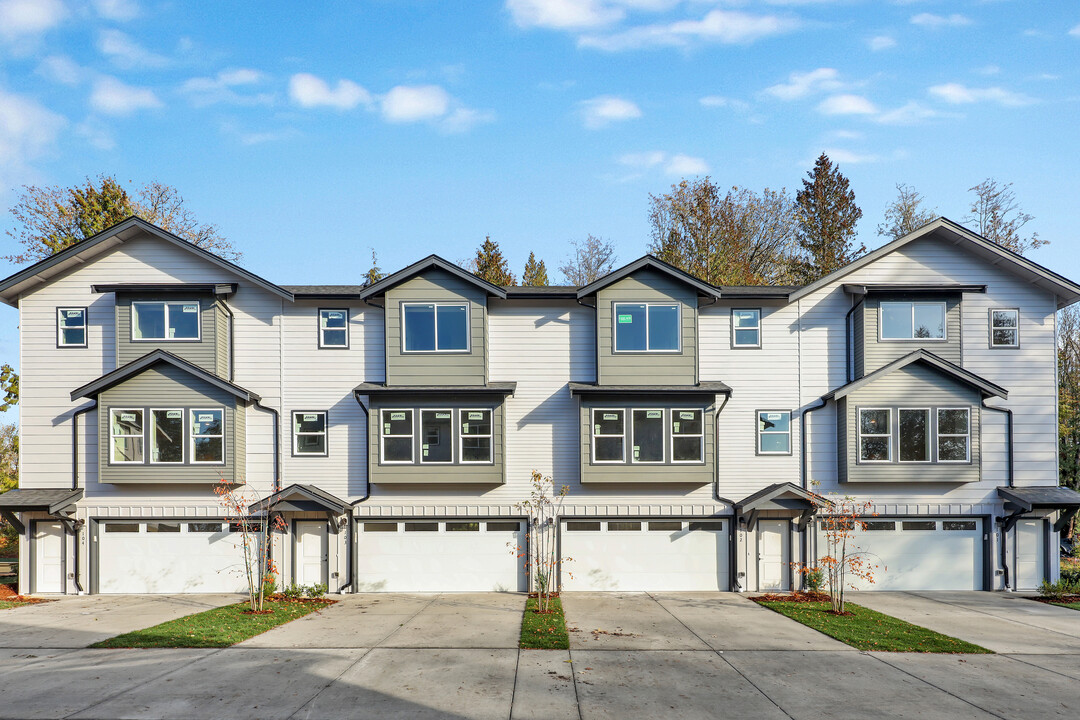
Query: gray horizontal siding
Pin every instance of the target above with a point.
(878, 353)
(210, 352)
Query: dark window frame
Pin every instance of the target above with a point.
(990, 328)
(436, 304)
(758, 432)
(85, 328)
(325, 433)
(131, 321)
(746, 346)
(648, 304)
(321, 329)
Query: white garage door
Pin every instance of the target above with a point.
(634, 555)
(440, 556)
(921, 553)
(169, 557)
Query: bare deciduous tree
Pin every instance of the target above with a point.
(997, 216)
(592, 259)
(905, 214)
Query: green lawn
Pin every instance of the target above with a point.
(1071, 606)
(220, 627)
(544, 632)
(866, 629)
(6, 604)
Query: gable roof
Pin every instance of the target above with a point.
(1066, 290)
(429, 263)
(50, 500)
(649, 262)
(133, 368)
(304, 498)
(800, 497)
(943, 366)
(43, 270)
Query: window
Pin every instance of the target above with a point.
(421, 527)
(878, 525)
(208, 436)
(912, 321)
(309, 432)
(435, 327)
(918, 525)
(502, 526)
(161, 527)
(648, 433)
(475, 436)
(126, 429)
(71, 327)
(875, 435)
(958, 525)
(397, 436)
(609, 436)
(436, 436)
(462, 527)
(706, 526)
(687, 436)
(746, 328)
(583, 526)
(1004, 328)
(774, 432)
(334, 328)
(165, 321)
(646, 327)
(121, 527)
(380, 527)
(204, 527)
(953, 434)
(167, 436)
(914, 435)
(665, 525)
(623, 525)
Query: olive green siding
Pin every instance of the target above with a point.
(872, 353)
(440, 473)
(657, 473)
(915, 386)
(858, 340)
(436, 368)
(162, 387)
(647, 368)
(210, 352)
(221, 340)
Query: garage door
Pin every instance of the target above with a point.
(440, 556)
(634, 555)
(921, 553)
(169, 557)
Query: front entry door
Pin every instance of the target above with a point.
(312, 552)
(774, 555)
(1030, 554)
(48, 557)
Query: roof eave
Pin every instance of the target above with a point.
(431, 261)
(648, 262)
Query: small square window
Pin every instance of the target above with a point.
(309, 432)
(71, 327)
(1004, 328)
(746, 328)
(334, 328)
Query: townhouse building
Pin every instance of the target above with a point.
(395, 427)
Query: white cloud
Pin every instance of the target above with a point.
(126, 53)
(848, 157)
(686, 165)
(113, 97)
(800, 85)
(120, 10)
(846, 105)
(28, 130)
(911, 113)
(463, 119)
(601, 111)
(881, 42)
(727, 27)
(308, 91)
(677, 164)
(61, 69)
(957, 94)
(988, 70)
(937, 22)
(95, 133)
(1075, 31)
(562, 14)
(25, 18)
(719, 101)
(222, 88)
(406, 104)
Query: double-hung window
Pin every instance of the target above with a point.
(1004, 328)
(436, 436)
(875, 435)
(774, 432)
(165, 320)
(746, 328)
(914, 434)
(953, 434)
(71, 327)
(687, 436)
(646, 327)
(309, 432)
(475, 436)
(208, 436)
(167, 435)
(126, 430)
(334, 328)
(648, 434)
(435, 327)
(397, 436)
(912, 321)
(609, 435)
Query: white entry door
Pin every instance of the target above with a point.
(312, 552)
(774, 555)
(48, 557)
(1030, 554)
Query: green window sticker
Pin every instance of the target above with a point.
(191, 308)
(397, 416)
(465, 428)
(686, 415)
(675, 426)
(442, 416)
(127, 417)
(626, 319)
(597, 430)
(174, 414)
(476, 416)
(611, 416)
(386, 428)
(653, 414)
(210, 418)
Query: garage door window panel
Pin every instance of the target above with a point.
(475, 436)
(954, 435)
(121, 527)
(609, 435)
(167, 436)
(648, 434)
(875, 435)
(914, 435)
(687, 436)
(208, 436)
(309, 432)
(127, 440)
(436, 436)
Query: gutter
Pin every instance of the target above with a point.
(596, 345)
(1006, 522)
(733, 554)
(352, 560)
(849, 359)
(75, 442)
(232, 345)
(277, 444)
(805, 480)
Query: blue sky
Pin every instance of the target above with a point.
(414, 126)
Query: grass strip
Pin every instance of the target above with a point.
(544, 632)
(7, 604)
(867, 629)
(1071, 605)
(220, 627)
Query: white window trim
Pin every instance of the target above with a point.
(452, 432)
(734, 342)
(615, 322)
(191, 436)
(383, 436)
(592, 429)
(113, 436)
(861, 435)
(663, 445)
(325, 433)
(322, 329)
(461, 436)
(759, 432)
(60, 328)
(930, 438)
(944, 324)
(166, 303)
(1015, 328)
(671, 432)
(153, 435)
(436, 305)
(939, 435)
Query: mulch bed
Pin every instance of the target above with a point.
(8, 594)
(278, 597)
(1062, 599)
(797, 597)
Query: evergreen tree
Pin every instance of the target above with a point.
(375, 274)
(491, 264)
(535, 274)
(827, 215)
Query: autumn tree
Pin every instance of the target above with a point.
(9, 387)
(490, 264)
(735, 238)
(591, 259)
(49, 219)
(535, 273)
(995, 213)
(374, 273)
(905, 214)
(1069, 395)
(9, 479)
(827, 215)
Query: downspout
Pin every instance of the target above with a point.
(277, 444)
(804, 545)
(232, 353)
(849, 340)
(352, 560)
(733, 555)
(75, 482)
(596, 345)
(1006, 523)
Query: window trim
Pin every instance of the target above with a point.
(113, 436)
(165, 303)
(858, 425)
(183, 430)
(744, 346)
(461, 437)
(938, 435)
(990, 328)
(320, 328)
(191, 436)
(412, 436)
(664, 420)
(671, 433)
(931, 436)
(758, 433)
(296, 434)
(944, 324)
(452, 460)
(436, 305)
(592, 432)
(85, 327)
(678, 324)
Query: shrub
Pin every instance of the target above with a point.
(813, 578)
(1058, 590)
(315, 591)
(293, 592)
(269, 584)
(1070, 573)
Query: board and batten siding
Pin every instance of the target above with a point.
(436, 368)
(647, 368)
(209, 352)
(872, 352)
